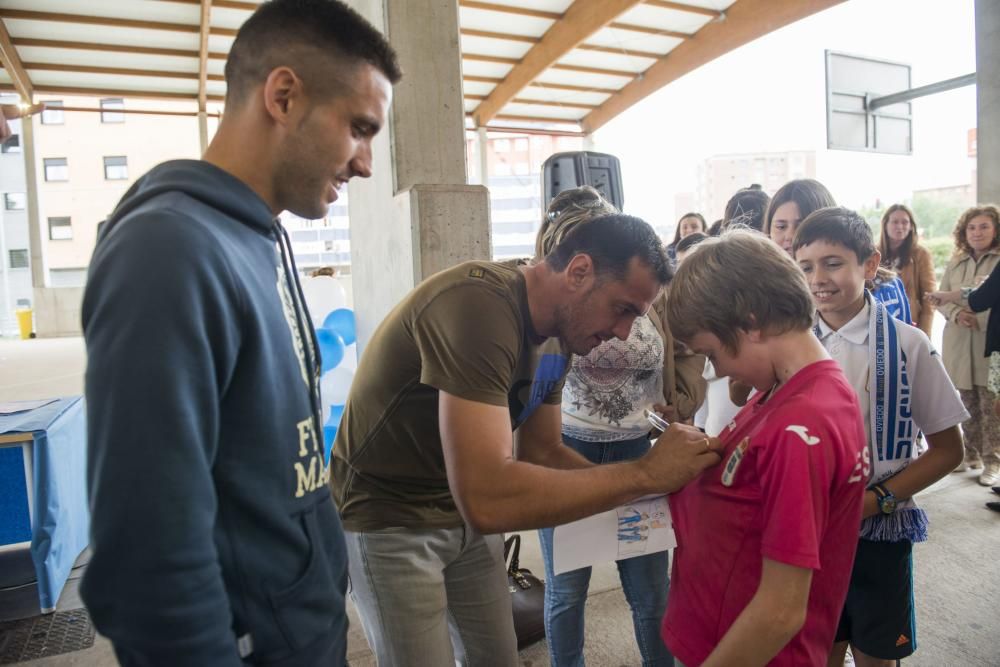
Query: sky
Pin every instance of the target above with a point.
(770, 95)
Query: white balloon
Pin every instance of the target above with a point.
(324, 294)
(334, 387)
(350, 359)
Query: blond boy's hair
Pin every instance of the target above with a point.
(740, 280)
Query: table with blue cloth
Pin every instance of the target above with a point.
(43, 492)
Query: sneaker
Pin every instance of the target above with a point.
(969, 463)
(991, 475)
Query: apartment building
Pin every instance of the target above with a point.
(722, 175)
(15, 257)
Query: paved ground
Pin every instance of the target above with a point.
(957, 571)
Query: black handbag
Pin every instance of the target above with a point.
(527, 594)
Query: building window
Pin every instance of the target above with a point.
(111, 110)
(60, 229)
(12, 145)
(53, 113)
(115, 168)
(56, 169)
(14, 201)
(18, 258)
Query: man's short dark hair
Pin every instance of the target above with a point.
(840, 225)
(612, 241)
(307, 36)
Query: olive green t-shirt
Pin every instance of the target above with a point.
(466, 331)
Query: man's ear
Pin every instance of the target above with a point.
(871, 265)
(752, 331)
(580, 271)
(282, 89)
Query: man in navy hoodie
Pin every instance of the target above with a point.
(215, 541)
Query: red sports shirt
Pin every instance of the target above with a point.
(789, 488)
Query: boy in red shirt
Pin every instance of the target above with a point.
(766, 540)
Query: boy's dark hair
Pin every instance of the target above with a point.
(612, 241)
(807, 193)
(313, 37)
(747, 207)
(716, 228)
(690, 241)
(836, 225)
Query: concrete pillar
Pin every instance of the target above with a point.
(203, 131)
(36, 237)
(483, 153)
(988, 100)
(416, 215)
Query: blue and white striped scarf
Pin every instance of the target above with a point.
(893, 435)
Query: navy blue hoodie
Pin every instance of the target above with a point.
(214, 536)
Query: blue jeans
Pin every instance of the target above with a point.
(644, 580)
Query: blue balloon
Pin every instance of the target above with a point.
(330, 429)
(331, 348)
(341, 321)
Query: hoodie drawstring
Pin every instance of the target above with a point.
(312, 352)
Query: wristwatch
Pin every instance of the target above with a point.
(966, 291)
(886, 499)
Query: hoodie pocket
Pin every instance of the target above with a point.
(308, 607)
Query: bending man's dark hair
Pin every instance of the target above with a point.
(315, 38)
(612, 241)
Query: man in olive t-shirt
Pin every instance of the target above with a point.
(424, 470)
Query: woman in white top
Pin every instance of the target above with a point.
(603, 400)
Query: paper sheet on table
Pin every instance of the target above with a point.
(637, 528)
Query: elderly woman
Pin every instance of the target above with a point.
(604, 397)
(977, 238)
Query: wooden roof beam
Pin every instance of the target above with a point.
(746, 20)
(527, 39)
(110, 21)
(581, 20)
(115, 92)
(114, 48)
(15, 68)
(509, 9)
(205, 27)
(118, 71)
(682, 7)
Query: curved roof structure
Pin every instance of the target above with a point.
(556, 64)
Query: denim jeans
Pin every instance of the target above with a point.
(433, 597)
(644, 580)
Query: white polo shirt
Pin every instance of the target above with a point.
(936, 404)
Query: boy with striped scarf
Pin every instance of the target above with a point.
(903, 389)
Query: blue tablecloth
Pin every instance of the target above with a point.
(56, 495)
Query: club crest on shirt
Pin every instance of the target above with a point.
(729, 472)
(803, 433)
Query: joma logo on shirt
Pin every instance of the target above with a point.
(803, 433)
